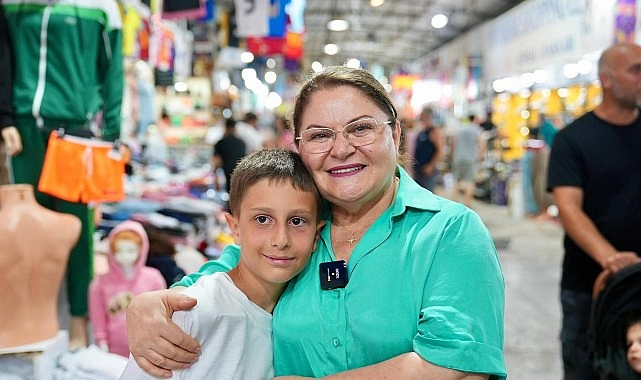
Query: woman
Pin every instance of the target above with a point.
(422, 293)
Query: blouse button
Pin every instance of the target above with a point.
(336, 342)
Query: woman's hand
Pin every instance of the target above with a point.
(157, 344)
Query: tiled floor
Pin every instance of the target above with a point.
(530, 252)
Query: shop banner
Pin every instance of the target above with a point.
(625, 20)
(278, 18)
(265, 46)
(252, 18)
(293, 45)
(538, 33)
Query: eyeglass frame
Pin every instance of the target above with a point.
(342, 132)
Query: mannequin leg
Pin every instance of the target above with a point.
(79, 273)
(78, 336)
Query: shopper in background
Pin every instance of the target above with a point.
(487, 124)
(410, 285)
(283, 135)
(84, 79)
(547, 130)
(247, 129)
(595, 176)
(490, 132)
(409, 131)
(540, 159)
(468, 148)
(162, 254)
(428, 150)
(111, 292)
(228, 151)
(275, 218)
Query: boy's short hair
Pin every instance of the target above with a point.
(276, 165)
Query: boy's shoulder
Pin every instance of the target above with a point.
(208, 284)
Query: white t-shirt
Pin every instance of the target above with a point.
(235, 334)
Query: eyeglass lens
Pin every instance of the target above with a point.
(358, 133)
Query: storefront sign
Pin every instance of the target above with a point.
(542, 32)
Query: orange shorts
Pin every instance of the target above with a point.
(83, 170)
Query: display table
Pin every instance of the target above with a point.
(33, 361)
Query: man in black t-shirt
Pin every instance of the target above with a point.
(595, 176)
(228, 151)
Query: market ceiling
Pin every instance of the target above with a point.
(396, 32)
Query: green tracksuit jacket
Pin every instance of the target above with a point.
(68, 62)
(68, 66)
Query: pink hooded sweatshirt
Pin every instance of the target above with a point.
(110, 293)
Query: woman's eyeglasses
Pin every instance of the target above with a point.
(358, 133)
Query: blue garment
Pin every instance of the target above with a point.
(547, 132)
(425, 148)
(527, 180)
(146, 116)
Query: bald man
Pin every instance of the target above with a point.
(595, 176)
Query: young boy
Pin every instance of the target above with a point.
(275, 218)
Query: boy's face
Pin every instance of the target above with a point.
(633, 342)
(277, 229)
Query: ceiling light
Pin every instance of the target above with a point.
(317, 66)
(353, 63)
(271, 63)
(585, 66)
(570, 70)
(331, 49)
(439, 21)
(270, 77)
(180, 87)
(273, 100)
(246, 57)
(376, 3)
(540, 76)
(337, 25)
